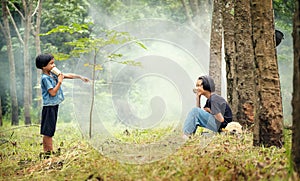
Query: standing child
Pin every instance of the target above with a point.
(52, 96)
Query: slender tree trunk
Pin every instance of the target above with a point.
(215, 64)
(296, 92)
(38, 51)
(13, 90)
(229, 51)
(93, 96)
(27, 67)
(26, 16)
(244, 64)
(269, 118)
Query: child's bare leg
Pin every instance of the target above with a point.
(47, 143)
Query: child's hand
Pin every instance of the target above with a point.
(198, 94)
(84, 79)
(60, 78)
(198, 98)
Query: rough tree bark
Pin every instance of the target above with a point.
(229, 51)
(296, 92)
(215, 63)
(244, 64)
(13, 90)
(269, 116)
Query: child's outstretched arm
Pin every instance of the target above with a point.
(75, 76)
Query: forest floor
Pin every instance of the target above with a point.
(224, 157)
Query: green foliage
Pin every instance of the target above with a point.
(92, 43)
(95, 46)
(122, 11)
(73, 28)
(284, 11)
(61, 13)
(287, 146)
(7, 108)
(131, 62)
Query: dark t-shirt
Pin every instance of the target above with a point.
(218, 104)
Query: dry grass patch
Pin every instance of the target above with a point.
(224, 157)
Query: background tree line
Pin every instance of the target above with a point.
(253, 65)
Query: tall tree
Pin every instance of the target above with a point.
(229, 51)
(38, 51)
(269, 116)
(26, 15)
(13, 91)
(95, 47)
(296, 93)
(215, 63)
(244, 64)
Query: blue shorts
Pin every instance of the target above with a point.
(49, 119)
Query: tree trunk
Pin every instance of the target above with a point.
(215, 64)
(27, 67)
(244, 65)
(269, 118)
(38, 51)
(229, 51)
(296, 92)
(13, 90)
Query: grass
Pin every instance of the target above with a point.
(225, 157)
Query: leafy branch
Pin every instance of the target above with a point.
(96, 46)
